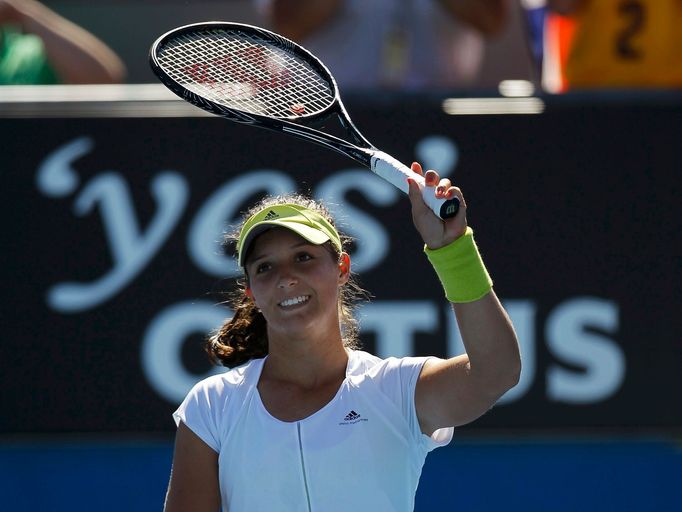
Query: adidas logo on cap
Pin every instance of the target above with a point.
(271, 215)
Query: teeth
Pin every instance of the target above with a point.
(294, 300)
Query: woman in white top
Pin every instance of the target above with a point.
(304, 422)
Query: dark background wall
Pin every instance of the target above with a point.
(112, 274)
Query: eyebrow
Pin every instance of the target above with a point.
(302, 243)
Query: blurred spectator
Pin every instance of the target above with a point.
(38, 46)
(394, 44)
(584, 44)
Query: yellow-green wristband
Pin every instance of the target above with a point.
(460, 269)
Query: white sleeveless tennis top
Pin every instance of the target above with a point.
(362, 451)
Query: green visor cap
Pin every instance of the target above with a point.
(304, 222)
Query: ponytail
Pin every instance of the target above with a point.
(241, 338)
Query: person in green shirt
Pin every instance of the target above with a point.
(40, 47)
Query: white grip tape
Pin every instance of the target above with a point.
(397, 173)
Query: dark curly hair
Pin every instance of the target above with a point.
(244, 336)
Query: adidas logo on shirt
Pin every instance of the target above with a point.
(351, 418)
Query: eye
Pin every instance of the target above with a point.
(304, 256)
(262, 267)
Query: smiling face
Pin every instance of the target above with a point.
(295, 284)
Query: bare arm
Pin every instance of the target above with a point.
(487, 16)
(76, 55)
(194, 479)
(297, 19)
(458, 390)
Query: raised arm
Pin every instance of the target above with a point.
(75, 54)
(194, 483)
(456, 391)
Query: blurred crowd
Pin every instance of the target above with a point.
(38, 46)
(411, 45)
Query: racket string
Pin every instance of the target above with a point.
(246, 73)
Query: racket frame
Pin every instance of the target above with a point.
(361, 150)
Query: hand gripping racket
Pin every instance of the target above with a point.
(253, 76)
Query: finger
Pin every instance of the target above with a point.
(431, 178)
(413, 190)
(443, 187)
(456, 192)
(453, 191)
(416, 199)
(416, 167)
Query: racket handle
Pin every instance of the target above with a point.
(397, 173)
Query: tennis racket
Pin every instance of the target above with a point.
(253, 76)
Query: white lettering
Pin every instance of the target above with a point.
(131, 248)
(568, 338)
(439, 153)
(55, 176)
(372, 240)
(579, 332)
(161, 356)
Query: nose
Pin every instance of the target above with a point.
(286, 280)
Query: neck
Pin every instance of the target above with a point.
(305, 362)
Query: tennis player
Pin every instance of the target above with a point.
(303, 421)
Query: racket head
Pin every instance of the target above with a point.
(244, 73)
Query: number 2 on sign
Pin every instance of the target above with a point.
(634, 15)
